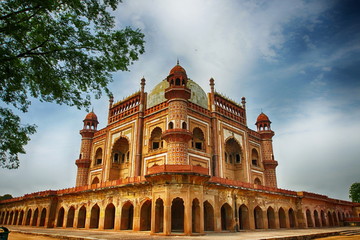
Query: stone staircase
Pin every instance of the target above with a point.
(354, 232)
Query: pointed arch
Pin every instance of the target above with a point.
(120, 155)
(309, 219)
(282, 218)
(292, 219)
(94, 216)
(98, 156)
(330, 220)
(145, 216)
(70, 217)
(271, 218)
(177, 215)
(109, 219)
(16, 215)
(95, 180)
(226, 217)
(254, 157)
(60, 218)
(42, 217)
(127, 216)
(336, 222)
(208, 217)
(159, 215)
(258, 218)
(198, 139)
(35, 217)
(323, 219)
(233, 150)
(28, 217)
(257, 181)
(316, 218)
(244, 217)
(81, 217)
(155, 138)
(21, 217)
(10, 222)
(195, 216)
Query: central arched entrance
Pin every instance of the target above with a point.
(177, 215)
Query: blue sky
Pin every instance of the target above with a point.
(298, 61)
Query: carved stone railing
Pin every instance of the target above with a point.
(177, 169)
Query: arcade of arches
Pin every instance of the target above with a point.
(187, 212)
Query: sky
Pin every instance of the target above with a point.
(297, 61)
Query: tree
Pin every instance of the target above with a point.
(61, 51)
(354, 192)
(6, 197)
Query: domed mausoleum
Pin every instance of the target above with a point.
(176, 161)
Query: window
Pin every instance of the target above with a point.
(238, 159)
(98, 156)
(155, 145)
(116, 158)
(155, 139)
(254, 157)
(171, 125)
(119, 150)
(177, 82)
(232, 151)
(184, 126)
(257, 181)
(198, 139)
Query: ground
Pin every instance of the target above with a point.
(20, 236)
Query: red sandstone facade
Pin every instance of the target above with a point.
(176, 161)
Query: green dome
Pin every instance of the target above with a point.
(198, 95)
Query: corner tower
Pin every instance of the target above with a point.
(84, 161)
(176, 135)
(263, 127)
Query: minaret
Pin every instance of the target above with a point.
(266, 134)
(176, 135)
(84, 161)
(214, 127)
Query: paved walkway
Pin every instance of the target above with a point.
(78, 234)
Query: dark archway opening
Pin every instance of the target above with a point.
(127, 216)
(177, 215)
(145, 216)
(94, 216)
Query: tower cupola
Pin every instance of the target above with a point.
(263, 122)
(177, 84)
(91, 121)
(177, 76)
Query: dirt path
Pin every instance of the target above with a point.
(21, 236)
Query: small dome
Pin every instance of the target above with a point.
(177, 69)
(91, 116)
(262, 118)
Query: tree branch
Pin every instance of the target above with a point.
(20, 11)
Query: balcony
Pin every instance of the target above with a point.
(158, 169)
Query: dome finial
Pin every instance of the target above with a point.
(177, 61)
